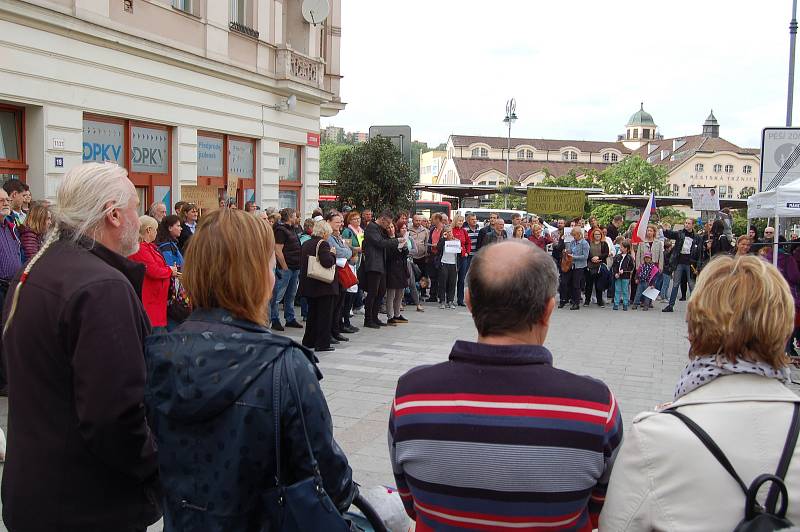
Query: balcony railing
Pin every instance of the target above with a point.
(294, 66)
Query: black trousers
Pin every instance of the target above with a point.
(318, 323)
(349, 299)
(338, 308)
(591, 283)
(575, 284)
(376, 289)
(448, 276)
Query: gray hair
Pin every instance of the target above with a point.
(322, 229)
(87, 194)
(153, 206)
(145, 222)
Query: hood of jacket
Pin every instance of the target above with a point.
(203, 367)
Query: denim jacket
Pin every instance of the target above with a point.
(580, 253)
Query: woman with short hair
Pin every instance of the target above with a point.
(735, 389)
(321, 296)
(189, 214)
(743, 244)
(578, 249)
(37, 223)
(157, 274)
(169, 230)
(212, 396)
(598, 253)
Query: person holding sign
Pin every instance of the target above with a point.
(447, 260)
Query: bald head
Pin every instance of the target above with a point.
(510, 286)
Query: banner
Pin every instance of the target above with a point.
(568, 203)
(705, 199)
(206, 198)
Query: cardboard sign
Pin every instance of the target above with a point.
(568, 203)
(204, 197)
(452, 246)
(651, 293)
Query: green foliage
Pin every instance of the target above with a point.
(605, 212)
(416, 149)
(374, 175)
(739, 226)
(671, 215)
(329, 156)
(515, 202)
(634, 175)
(441, 147)
(570, 180)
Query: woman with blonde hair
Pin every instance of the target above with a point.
(37, 223)
(743, 244)
(734, 389)
(157, 274)
(321, 296)
(220, 384)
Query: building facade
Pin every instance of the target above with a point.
(197, 99)
(430, 162)
(704, 160)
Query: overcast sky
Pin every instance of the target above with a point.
(577, 68)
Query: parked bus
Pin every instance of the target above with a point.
(427, 208)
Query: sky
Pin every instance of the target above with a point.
(578, 69)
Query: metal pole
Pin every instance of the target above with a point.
(775, 239)
(508, 163)
(792, 40)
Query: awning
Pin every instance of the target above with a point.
(661, 201)
(468, 191)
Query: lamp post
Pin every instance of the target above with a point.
(792, 39)
(511, 117)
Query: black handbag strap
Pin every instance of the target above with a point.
(710, 445)
(276, 415)
(786, 456)
(296, 395)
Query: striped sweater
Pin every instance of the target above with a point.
(498, 439)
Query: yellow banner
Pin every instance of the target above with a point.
(554, 201)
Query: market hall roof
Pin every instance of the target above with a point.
(641, 118)
(677, 150)
(538, 144)
(471, 169)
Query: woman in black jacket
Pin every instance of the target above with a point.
(321, 296)
(211, 392)
(188, 216)
(598, 253)
(396, 276)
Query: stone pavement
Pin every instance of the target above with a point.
(638, 354)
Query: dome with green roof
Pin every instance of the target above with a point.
(641, 118)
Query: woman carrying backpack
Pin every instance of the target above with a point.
(733, 389)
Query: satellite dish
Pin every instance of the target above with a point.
(315, 11)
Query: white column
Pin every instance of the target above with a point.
(59, 123)
(310, 192)
(184, 160)
(267, 178)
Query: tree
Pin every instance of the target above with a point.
(441, 147)
(329, 156)
(515, 202)
(634, 175)
(746, 192)
(374, 175)
(569, 180)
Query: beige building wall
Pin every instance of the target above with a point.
(688, 174)
(430, 164)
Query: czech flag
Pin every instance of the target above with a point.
(641, 225)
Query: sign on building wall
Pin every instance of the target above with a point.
(312, 139)
(780, 157)
(149, 150)
(240, 158)
(209, 156)
(103, 141)
(557, 202)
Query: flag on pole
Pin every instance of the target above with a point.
(641, 226)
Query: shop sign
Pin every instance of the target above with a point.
(240, 158)
(149, 150)
(209, 156)
(102, 141)
(312, 139)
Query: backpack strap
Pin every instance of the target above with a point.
(786, 456)
(710, 445)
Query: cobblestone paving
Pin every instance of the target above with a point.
(638, 354)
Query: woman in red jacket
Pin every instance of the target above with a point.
(157, 274)
(466, 250)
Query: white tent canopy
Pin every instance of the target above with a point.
(782, 201)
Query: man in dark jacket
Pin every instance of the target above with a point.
(376, 244)
(80, 454)
(485, 230)
(685, 255)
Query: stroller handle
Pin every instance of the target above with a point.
(369, 512)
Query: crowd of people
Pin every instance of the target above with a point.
(217, 423)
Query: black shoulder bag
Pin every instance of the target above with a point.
(756, 517)
(304, 505)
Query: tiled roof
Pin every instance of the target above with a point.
(692, 144)
(469, 169)
(539, 144)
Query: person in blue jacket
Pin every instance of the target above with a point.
(211, 393)
(167, 240)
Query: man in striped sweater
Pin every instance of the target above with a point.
(496, 438)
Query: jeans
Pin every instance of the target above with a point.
(412, 284)
(681, 271)
(285, 289)
(304, 307)
(621, 290)
(463, 268)
(664, 285)
(640, 288)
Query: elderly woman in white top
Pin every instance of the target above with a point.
(735, 389)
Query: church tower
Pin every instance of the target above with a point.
(639, 130)
(711, 126)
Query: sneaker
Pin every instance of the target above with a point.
(451, 305)
(625, 309)
(668, 308)
(293, 324)
(615, 307)
(276, 326)
(645, 308)
(462, 305)
(575, 307)
(562, 304)
(635, 306)
(442, 306)
(400, 319)
(370, 325)
(391, 321)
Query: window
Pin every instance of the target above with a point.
(614, 157)
(675, 190)
(698, 167)
(729, 168)
(521, 154)
(636, 133)
(290, 181)
(525, 154)
(606, 157)
(747, 169)
(569, 155)
(725, 192)
(718, 168)
(144, 149)
(184, 5)
(645, 133)
(12, 144)
(480, 152)
(241, 17)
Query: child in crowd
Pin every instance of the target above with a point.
(646, 277)
(622, 269)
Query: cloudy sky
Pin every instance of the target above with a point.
(577, 68)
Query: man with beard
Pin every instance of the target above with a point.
(80, 454)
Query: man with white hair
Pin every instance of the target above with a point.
(157, 210)
(80, 454)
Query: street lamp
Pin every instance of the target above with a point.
(792, 37)
(511, 117)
